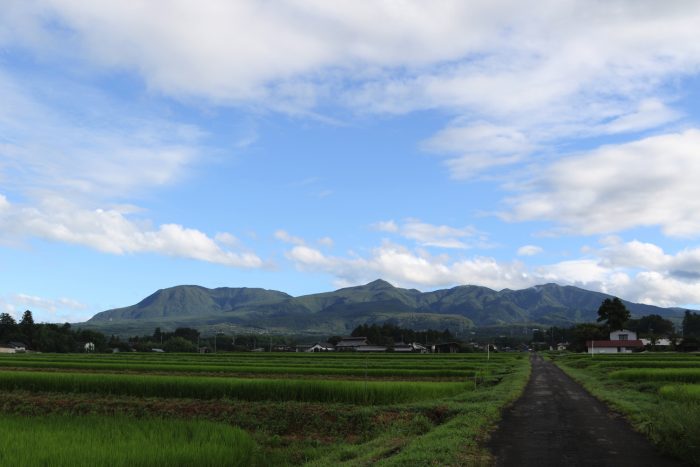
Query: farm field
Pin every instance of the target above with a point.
(659, 392)
(256, 409)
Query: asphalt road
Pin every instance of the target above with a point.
(557, 423)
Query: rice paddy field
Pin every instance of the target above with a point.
(659, 392)
(253, 408)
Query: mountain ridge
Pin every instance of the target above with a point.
(338, 312)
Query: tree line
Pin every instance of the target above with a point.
(42, 337)
(388, 334)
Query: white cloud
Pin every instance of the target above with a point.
(651, 113)
(99, 150)
(110, 231)
(326, 242)
(43, 309)
(479, 137)
(286, 237)
(477, 147)
(47, 304)
(542, 72)
(529, 250)
(386, 226)
(406, 267)
(650, 182)
(442, 236)
(632, 270)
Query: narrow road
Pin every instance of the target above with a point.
(557, 423)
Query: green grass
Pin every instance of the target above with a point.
(682, 375)
(338, 364)
(458, 441)
(197, 387)
(681, 392)
(121, 441)
(331, 419)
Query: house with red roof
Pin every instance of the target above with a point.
(621, 341)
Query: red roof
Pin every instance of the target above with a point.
(626, 343)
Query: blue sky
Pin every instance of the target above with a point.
(304, 146)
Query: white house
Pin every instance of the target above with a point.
(321, 347)
(621, 341)
(412, 347)
(13, 347)
(660, 342)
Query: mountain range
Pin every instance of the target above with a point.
(338, 312)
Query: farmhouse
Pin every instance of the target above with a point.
(412, 347)
(321, 347)
(13, 347)
(447, 347)
(663, 342)
(622, 341)
(350, 344)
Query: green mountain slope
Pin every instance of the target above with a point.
(340, 311)
(187, 301)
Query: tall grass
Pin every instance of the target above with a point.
(120, 441)
(681, 392)
(682, 375)
(353, 392)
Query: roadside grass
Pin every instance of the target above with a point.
(122, 441)
(672, 425)
(458, 441)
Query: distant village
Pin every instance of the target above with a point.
(622, 335)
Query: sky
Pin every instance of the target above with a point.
(304, 146)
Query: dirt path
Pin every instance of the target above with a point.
(557, 423)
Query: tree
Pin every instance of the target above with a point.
(585, 332)
(26, 326)
(654, 325)
(691, 324)
(179, 344)
(334, 340)
(614, 313)
(8, 327)
(190, 334)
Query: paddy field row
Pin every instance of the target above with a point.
(263, 409)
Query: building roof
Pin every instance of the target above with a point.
(370, 348)
(626, 343)
(322, 345)
(352, 342)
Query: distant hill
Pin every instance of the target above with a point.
(340, 311)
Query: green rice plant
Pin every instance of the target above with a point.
(681, 392)
(121, 441)
(650, 364)
(237, 368)
(681, 375)
(353, 392)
